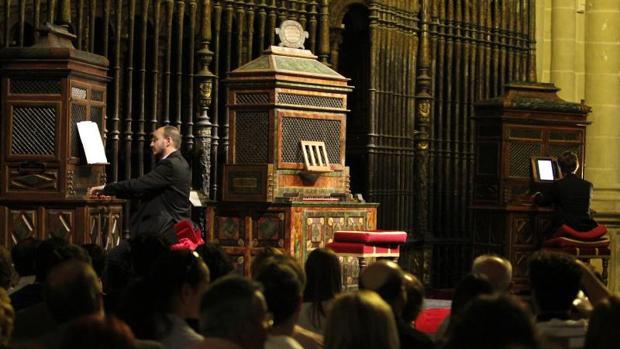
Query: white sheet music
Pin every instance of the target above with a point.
(545, 169)
(92, 143)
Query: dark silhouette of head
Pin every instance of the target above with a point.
(603, 327)
(555, 280)
(23, 255)
(217, 260)
(387, 279)
(568, 162)
(415, 298)
(282, 289)
(97, 332)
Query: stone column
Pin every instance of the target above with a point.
(602, 93)
(563, 34)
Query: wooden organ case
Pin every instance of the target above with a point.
(528, 120)
(270, 196)
(45, 90)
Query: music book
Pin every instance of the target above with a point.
(91, 142)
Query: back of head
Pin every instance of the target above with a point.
(323, 275)
(7, 318)
(470, 287)
(555, 280)
(73, 290)
(282, 289)
(415, 298)
(385, 278)
(145, 250)
(174, 134)
(493, 322)
(46, 256)
(98, 257)
(361, 320)
(217, 260)
(23, 255)
(603, 327)
(261, 257)
(498, 271)
(568, 162)
(233, 308)
(96, 332)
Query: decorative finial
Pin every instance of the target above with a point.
(292, 34)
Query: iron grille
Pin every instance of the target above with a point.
(252, 98)
(520, 154)
(96, 115)
(23, 86)
(34, 130)
(78, 113)
(252, 137)
(557, 149)
(311, 101)
(294, 130)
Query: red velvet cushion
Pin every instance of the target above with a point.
(568, 242)
(565, 230)
(371, 236)
(363, 249)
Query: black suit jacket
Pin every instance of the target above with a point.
(164, 193)
(570, 197)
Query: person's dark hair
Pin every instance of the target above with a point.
(415, 298)
(147, 304)
(174, 134)
(229, 307)
(555, 280)
(470, 287)
(282, 289)
(72, 290)
(262, 255)
(23, 255)
(217, 260)
(46, 254)
(493, 322)
(323, 281)
(8, 275)
(145, 250)
(568, 162)
(98, 257)
(391, 289)
(96, 332)
(603, 326)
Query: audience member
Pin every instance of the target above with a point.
(498, 271)
(283, 293)
(217, 260)
(234, 315)
(555, 280)
(96, 332)
(262, 256)
(8, 275)
(324, 282)
(145, 249)
(361, 320)
(471, 287)
(388, 280)
(7, 319)
(493, 322)
(157, 306)
(603, 327)
(23, 255)
(97, 256)
(415, 298)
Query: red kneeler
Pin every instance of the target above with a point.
(586, 245)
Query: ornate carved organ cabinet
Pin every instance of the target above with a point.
(45, 90)
(285, 184)
(528, 120)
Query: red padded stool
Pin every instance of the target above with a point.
(587, 246)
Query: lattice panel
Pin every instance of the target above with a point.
(311, 101)
(520, 154)
(35, 87)
(96, 115)
(251, 137)
(78, 93)
(34, 130)
(252, 98)
(78, 113)
(557, 149)
(294, 130)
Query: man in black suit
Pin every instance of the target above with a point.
(164, 191)
(570, 197)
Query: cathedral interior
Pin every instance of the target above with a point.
(422, 74)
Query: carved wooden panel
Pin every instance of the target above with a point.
(60, 223)
(269, 229)
(523, 230)
(230, 231)
(22, 224)
(30, 179)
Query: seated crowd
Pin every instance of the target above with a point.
(142, 294)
